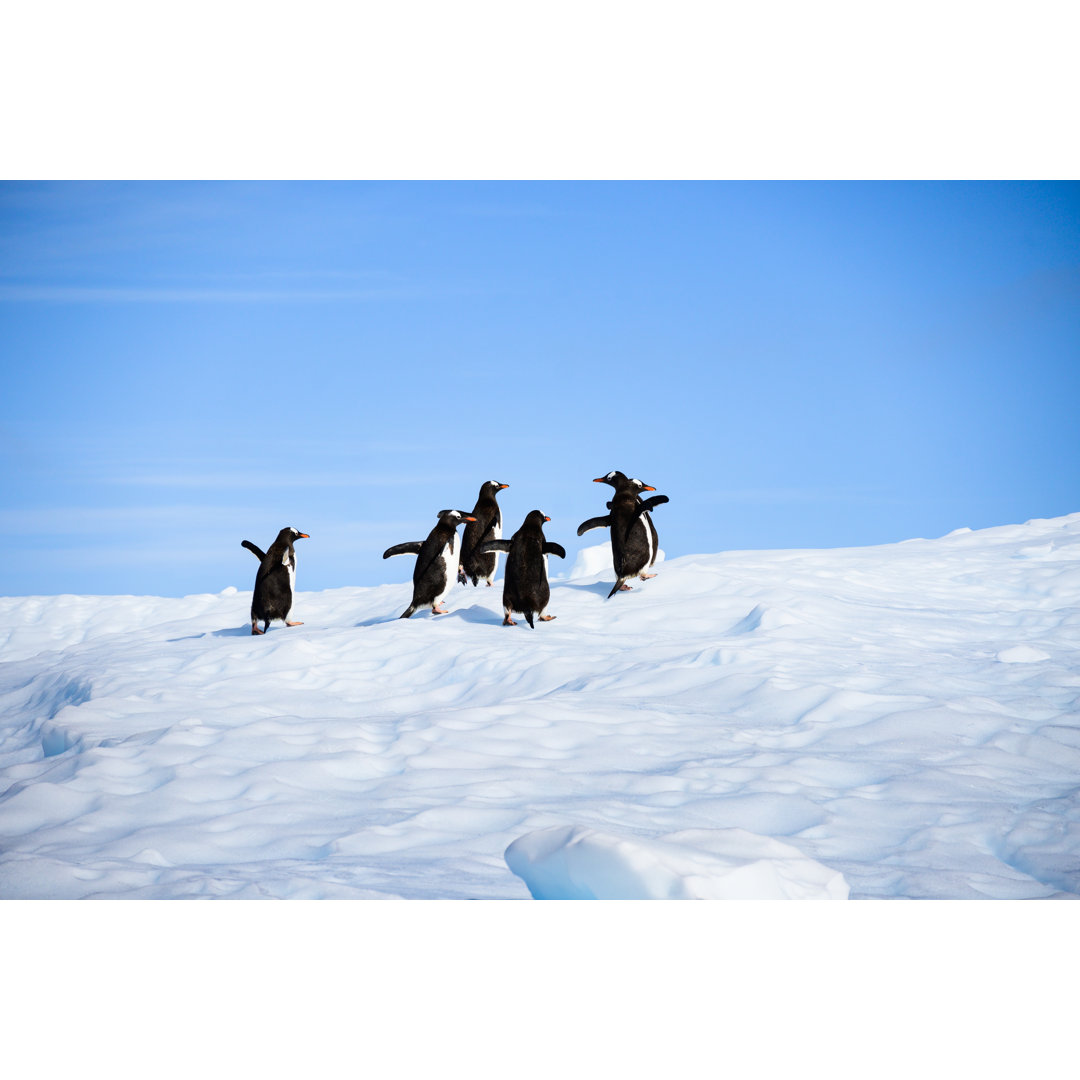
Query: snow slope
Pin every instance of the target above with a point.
(899, 721)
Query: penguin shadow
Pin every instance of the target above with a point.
(601, 588)
(378, 620)
(232, 631)
(475, 613)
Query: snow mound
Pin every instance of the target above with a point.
(1022, 654)
(595, 560)
(575, 863)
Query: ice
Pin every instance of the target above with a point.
(900, 721)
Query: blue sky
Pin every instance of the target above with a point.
(187, 365)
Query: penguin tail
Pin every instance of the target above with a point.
(462, 577)
(407, 612)
(619, 585)
(529, 619)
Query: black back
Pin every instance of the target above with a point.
(629, 539)
(431, 574)
(525, 583)
(272, 597)
(476, 565)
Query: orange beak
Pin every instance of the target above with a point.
(600, 480)
(546, 518)
(303, 536)
(647, 488)
(501, 486)
(468, 518)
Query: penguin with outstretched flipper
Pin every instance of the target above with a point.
(272, 597)
(436, 562)
(633, 537)
(615, 478)
(525, 581)
(487, 526)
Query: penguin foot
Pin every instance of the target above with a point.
(256, 630)
(645, 577)
(508, 621)
(436, 609)
(287, 623)
(546, 618)
(626, 588)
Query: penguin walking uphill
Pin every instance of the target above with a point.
(436, 562)
(525, 583)
(633, 536)
(487, 526)
(615, 479)
(275, 582)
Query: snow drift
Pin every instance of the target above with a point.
(699, 864)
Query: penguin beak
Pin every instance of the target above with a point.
(303, 536)
(647, 488)
(501, 486)
(600, 480)
(546, 518)
(468, 517)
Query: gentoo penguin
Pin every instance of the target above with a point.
(616, 478)
(525, 582)
(633, 543)
(274, 583)
(436, 562)
(487, 526)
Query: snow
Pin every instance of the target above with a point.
(889, 722)
(573, 863)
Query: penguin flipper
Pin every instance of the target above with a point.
(257, 552)
(551, 548)
(594, 523)
(489, 546)
(643, 507)
(411, 548)
(652, 504)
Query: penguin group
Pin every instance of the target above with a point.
(444, 559)
(633, 535)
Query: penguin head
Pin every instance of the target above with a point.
(621, 482)
(289, 534)
(455, 517)
(492, 488)
(535, 519)
(614, 478)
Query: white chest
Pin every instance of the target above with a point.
(647, 526)
(450, 555)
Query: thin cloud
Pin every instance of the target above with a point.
(217, 480)
(780, 496)
(82, 294)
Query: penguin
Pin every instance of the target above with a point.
(633, 542)
(275, 582)
(436, 563)
(487, 526)
(614, 479)
(525, 582)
